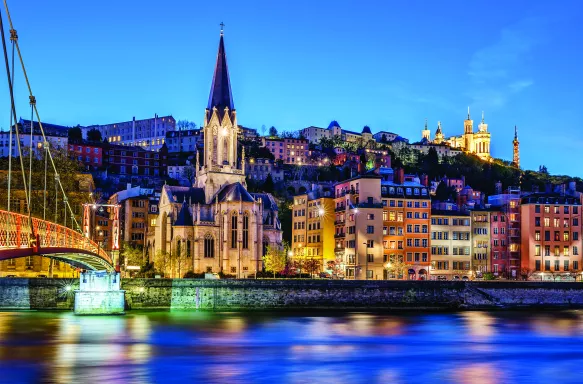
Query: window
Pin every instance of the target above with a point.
(246, 231)
(369, 274)
(547, 209)
(370, 257)
(547, 222)
(234, 230)
(537, 209)
(557, 263)
(537, 250)
(566, 236)
(575, 265)
(547, 235)
(537, 235)
(536, 265)
(566, 265)
(547, 265)
(370, 216)
(369, 229)
(370, 243)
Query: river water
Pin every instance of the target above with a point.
(186, 347)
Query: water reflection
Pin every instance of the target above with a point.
(141, 347)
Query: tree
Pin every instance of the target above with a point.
(275, 258)
(161, 261)
(336, 268)
(526, 273)
(272, 131)
(94, 135)
(132, 254)
(183, 125)
(263, 129)
(396, 267)
(312, 266)
(75, 135)
(268, 184)
(189, 173)
(179, 258)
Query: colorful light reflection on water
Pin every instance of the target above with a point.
(160, 347)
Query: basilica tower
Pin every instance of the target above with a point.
(516, 153)
(220, 133)
(469, 133)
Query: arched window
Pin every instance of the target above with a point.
(225, 150)
(246, 231)
(265, 245)
(188, 245)
(234, 230)
(209, 246)
(178, 247)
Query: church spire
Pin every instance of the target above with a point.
(220, 96)
(469, 112)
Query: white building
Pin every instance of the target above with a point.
(56, 135)
(149, 133)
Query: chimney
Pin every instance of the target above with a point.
(361, 168)
(425, 180)
(498, 188)
(129, 186)
(399, 175)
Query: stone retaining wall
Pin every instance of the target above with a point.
(190, 294)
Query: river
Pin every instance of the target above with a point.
(185, 347)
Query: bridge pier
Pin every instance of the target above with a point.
(99, 293)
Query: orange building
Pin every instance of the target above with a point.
(406, 221)
(551, 236)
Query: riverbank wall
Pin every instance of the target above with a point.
(243, 295)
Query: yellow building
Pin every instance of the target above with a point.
(477, 143)
(450, 245)
(313, 227)
(480, 221)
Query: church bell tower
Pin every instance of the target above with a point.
(220, 130)
(516, 152)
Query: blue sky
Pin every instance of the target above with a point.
(298, 63)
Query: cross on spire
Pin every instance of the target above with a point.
(222, 27)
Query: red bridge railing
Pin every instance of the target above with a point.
(15, 232)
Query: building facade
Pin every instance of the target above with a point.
(87, 153)
(184, 141)
(134, 160)
(451, 244)
(258, 168)
(551, 236)
(313, 228)
(290, 151)
(481, 241)
(56, 137)
(149, 133)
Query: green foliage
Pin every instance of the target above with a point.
(285, 217)
(272, 131)
(488, 276)
(275, 258)
(132, 254)
(74, 135)
(94, 135)
(268, 184)
(183, 125)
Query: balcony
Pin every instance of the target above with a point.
(339, 235)
(340, 208)
(369, 205)
(339, 222)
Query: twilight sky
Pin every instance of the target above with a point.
(298, 63)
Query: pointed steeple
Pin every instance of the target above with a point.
(482, 117)
(220, 96)
(469, 112)
(438, 132)
(515, 133)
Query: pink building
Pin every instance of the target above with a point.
(290, 151)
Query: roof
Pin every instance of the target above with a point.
(234, 192)
(49, 129)
(267, 200)
(185, 194)
(184, 216)
(444, 212)
(333, 124)
(549, 198)
(220, 96)
(366, 129)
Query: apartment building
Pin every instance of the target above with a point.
(290, 151)
(481, 240)
(505, 233)
(551, 236)
(358, 226)
(451, 244)
(313, 227)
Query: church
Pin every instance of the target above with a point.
(215, 225)
(477, 143)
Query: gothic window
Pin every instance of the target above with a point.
(246, 231)
(209, 246)
(234, 230)
(225, 150)
(188, 245)
(265, 245)
(178, 247)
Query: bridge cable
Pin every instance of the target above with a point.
(14, 113)
(40, 120)
(12, 36)
(32, 102)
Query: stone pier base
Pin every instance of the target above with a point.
(99, 293)
(99, 302)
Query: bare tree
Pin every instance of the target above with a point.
(189, 173)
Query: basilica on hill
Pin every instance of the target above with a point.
(217, 225)
(477, 143)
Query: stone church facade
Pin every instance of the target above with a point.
(216, 225)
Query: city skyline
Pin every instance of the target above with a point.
(299, 73)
